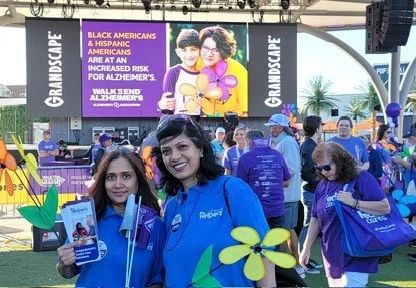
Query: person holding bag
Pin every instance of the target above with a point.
(338, 168)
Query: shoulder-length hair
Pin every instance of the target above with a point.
(225, 41)
(343, 160)
(208, 169)
(99, 193)
(381, 130)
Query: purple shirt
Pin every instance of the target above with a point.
(335, 260)
(264, 169)
(46, 147)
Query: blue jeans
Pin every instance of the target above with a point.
(307, 200)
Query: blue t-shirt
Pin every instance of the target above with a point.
(264, 169)
(110, 271)
(200, 218)
(355, 146)
(218, 149)
(47, 147)
(231, 158)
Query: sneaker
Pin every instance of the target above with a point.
(311, 270)
(412, 243)
(315, 264)
(412, 257)
(301, 272)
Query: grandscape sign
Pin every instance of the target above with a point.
(53, 68)
(123, 68)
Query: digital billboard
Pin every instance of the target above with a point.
(143, 69)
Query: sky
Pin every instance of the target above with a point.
(315, 57)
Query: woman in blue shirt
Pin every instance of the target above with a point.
(121, 173)
(202, 209)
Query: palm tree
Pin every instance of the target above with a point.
(355, 110)
(369, 101)
(317, 96)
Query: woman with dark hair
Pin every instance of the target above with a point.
(205, 207)
(384, 134)
(121, 173)
(337, 168)
(217, 47)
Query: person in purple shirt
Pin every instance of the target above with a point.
(47, 149)
(265, 170)
(337, 167)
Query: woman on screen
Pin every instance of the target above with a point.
(217, 47)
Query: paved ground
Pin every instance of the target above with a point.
(15, 231)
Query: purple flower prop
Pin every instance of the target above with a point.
(288, 109)
(217, 77)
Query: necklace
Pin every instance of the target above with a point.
(184, 224)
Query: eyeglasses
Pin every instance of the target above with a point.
(206, 49)
(185, 118)
(326, 167)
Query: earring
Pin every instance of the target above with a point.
(201, 154)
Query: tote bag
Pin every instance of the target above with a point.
(367, 235)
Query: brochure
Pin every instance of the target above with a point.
(81, 225)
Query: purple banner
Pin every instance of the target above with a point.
(123, 65)
(68, 179)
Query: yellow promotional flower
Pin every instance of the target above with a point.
(254, 268)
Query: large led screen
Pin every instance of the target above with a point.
(141, 69)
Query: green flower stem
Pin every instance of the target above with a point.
(209, 273)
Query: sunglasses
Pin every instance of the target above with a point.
(184, 118)
(326, 167)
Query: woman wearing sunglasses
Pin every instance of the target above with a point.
(337, 168)
(201, 212)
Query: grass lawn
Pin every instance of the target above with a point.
(21, 267)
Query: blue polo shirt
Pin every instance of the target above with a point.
(200, 218)
(110, 271)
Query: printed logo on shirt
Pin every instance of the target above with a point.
(210, 214)
(330, 201)
(176, 222)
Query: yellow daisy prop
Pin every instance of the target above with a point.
(254, 268)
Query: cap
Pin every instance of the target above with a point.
(104, 137)
(47, 132)
(220, 130)
(278, 119)
(411, 132)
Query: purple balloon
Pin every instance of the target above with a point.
(393, 109)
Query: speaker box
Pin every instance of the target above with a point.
(334, 112)
(396, 22)
(374, 13)
(230, 121)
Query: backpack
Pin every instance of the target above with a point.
(376, 163)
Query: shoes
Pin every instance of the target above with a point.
(412, 257)
(301, 272)
(315, 264)
(311, 270)
(412, 243)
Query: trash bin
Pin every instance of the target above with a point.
(46, 240)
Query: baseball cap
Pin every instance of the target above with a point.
(47, 132)
(278, 119)
(220, 130)
(104, 137)
(411, 132)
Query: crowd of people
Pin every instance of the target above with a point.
(240, 178)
